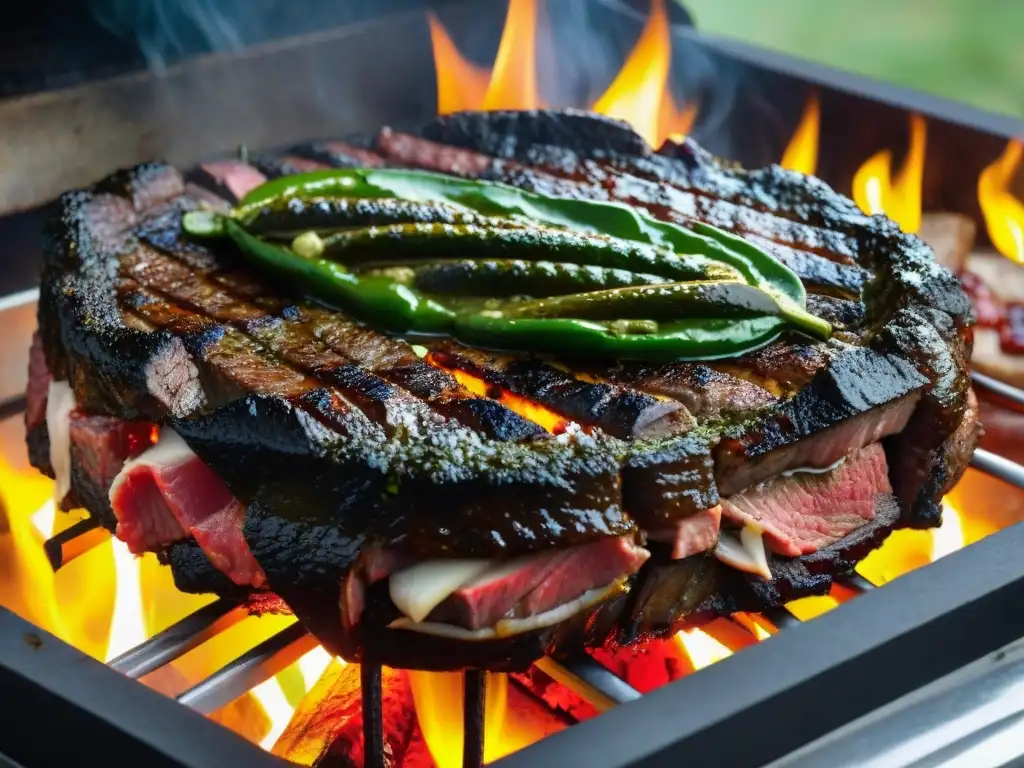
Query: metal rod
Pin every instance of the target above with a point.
(1009, 396)
(856, 582)
(373, 716)
(995, 465)
(65, 546)
(249, 670)
(781, 618)
(473, 702)
(12, 407)
(179, 638)
(588, 679)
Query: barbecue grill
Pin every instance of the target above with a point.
(938, 645)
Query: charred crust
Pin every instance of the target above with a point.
(322, 475)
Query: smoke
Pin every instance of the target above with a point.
(580, 47)
(168, 30)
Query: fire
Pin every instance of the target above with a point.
(525, 407)
(907, 550)
(274, 700)
(675, 123)
(514, 78)
(460, 84)
(802, 151)
(701, 648)
(635, 95)
(876, 191)
(1004, 213)
(639, 94)
(438, 698)
(127, 627)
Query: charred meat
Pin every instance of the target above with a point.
(428, 504)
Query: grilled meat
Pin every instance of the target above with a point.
(468, 508)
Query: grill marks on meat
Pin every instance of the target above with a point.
(861, 397)
(805, 512)
(706, 393)
(369, 370)
(586, 178)
(252, 381)
(617, 410)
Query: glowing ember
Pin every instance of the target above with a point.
(899, 198)
(1004, 213)
(702, 649)
(438, 697)
(802, 151)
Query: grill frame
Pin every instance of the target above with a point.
(967, 598)
(75, 709)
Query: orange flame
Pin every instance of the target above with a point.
(1004, 213)
(675, 123)
(802, 151)
(635, 94)
(875, 191)
(461, 85)
(639, 93)
(514, 78)
(528, 409)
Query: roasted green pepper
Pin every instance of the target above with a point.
(410, 251)
(517, 277)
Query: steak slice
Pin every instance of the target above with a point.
(166, 493)
(808, 511)
(99, 446)
(523, 588)
(337, 440)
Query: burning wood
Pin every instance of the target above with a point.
(327, 726)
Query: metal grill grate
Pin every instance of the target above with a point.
(583, 675)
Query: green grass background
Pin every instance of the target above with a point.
(967, 50)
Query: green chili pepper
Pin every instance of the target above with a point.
(496, 199)
(433, 241)
(659, 302)
(283, 218)
(382, 301)
(691, 339)
(517, 277)
(441, 255)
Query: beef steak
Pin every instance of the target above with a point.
(331, 443)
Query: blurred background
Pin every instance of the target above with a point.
(968, 50)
